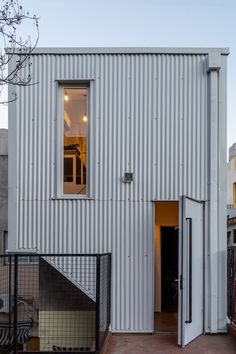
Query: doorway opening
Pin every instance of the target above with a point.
(166, 267)
(169, 269)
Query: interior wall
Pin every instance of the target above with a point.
(166, 214)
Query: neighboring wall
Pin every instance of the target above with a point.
(231, 172)
(231, 228)
(3, 185)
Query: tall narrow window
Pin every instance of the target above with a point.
(75, 140)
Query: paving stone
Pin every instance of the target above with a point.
(167, 344)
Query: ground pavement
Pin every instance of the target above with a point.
(166, 344)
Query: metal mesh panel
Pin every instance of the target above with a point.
(103, 297)
(49, 303)
(7, 335)
(231, 280)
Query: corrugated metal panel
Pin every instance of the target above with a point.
(149, 117)
(123, 227)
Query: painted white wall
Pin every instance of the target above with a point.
(231, 175)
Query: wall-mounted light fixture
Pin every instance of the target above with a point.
(128, 177)
(66, 98)
(85, 118)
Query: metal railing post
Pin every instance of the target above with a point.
(9, 302)
(232, 284)
(15, 300)
(109, 291)
(98, 275)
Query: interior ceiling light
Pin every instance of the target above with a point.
(66, 98)
(85, 118)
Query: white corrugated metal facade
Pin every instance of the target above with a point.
(149, 114)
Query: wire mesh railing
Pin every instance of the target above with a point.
(231, 284)
(54, 303)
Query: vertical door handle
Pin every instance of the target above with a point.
(189, 227)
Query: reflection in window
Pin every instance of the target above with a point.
(75, 140)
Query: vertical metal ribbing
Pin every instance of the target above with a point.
(98, 275)
(147, 121)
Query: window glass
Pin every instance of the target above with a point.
(228, 237)
(234, 195)
(75, 140)
(234, 236)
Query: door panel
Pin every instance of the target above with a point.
(191, 231)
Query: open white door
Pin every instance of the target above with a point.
(191, 231)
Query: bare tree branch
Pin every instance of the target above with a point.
(13, 48)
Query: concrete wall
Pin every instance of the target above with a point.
(70, 329)
(3, 184)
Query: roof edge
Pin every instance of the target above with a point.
(127, 50)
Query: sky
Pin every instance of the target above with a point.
(140, 23)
